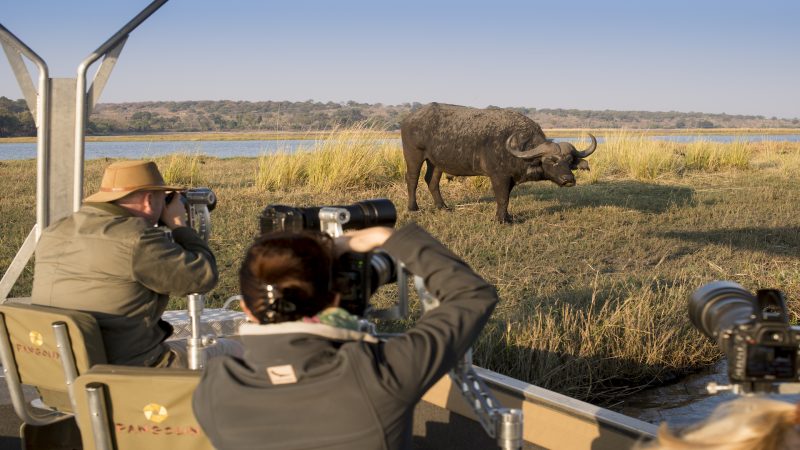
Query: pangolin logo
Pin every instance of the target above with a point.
(155, 413)
(36, 338)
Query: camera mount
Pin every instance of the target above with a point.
(502, 424)
(198, 202)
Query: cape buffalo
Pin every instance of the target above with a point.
(506, 146)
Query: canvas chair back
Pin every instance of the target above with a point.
(31, 335)
(120, 407)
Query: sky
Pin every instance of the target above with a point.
(733, 57)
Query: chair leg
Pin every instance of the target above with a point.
(96, 393)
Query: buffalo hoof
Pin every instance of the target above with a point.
(413, 208)
(444, 207)
(506, 219)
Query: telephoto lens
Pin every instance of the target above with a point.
(371, 213)
(202, 196)
(718, 305)
(364, 214)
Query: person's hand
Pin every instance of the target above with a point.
(362, 241)
(174, 213)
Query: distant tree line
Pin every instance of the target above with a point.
(226, 115)
(15, 118)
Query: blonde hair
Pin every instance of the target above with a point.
(747, 423)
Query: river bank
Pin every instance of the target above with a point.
(312, 135)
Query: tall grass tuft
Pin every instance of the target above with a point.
(357, 157)
(281, 170)
(636, 156)
(181, 168)
(710, 156)
(624, 154)
(345, 159)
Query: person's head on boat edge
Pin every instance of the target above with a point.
(754, 422)
(309, 370)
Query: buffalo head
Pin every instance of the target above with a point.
(555, 160)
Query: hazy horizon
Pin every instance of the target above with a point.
(709, 57)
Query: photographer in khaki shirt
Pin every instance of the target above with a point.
(110, 260)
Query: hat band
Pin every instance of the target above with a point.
(126, 188)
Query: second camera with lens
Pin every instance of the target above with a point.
(356, 275)
(752, 330)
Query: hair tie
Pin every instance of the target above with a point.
(276, 303)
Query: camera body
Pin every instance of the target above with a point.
(196, 196)
(199, 202)
(752, 330)
(356, 275)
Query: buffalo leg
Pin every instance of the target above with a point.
(502, 190)
(414, 161)
(433, 175)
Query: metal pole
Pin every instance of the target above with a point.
(42, 123)
(80, 97)
(99, 416)
(67, 359)
(195, 347)
(509, 429)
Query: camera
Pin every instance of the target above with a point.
(356, 275)
(752, 330)
(364, 214)
(195, 196)
(199, 202)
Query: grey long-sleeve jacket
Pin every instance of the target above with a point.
(304, 386)
(107, 262)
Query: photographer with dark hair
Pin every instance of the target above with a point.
(309, 378)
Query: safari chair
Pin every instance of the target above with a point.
(121, 407)
(47, 348)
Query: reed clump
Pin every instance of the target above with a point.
(344, 159)
(181, 168)
(638, 156)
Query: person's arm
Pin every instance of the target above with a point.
(418, 358)
(179, 268)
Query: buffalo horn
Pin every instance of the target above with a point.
(535, 152)
(588, 151)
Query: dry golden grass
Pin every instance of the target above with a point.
(181, 168)
(343, 159)
(593, 279)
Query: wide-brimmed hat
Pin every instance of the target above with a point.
(122, 178)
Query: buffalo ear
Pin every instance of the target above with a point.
(581, 164)
(516, 142)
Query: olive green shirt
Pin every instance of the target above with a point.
(114, 265)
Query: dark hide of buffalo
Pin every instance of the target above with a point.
(503, 145)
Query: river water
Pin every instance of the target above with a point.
(230, 149)
(130, 149)
(687, 401)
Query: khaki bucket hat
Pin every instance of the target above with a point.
(122, 178)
